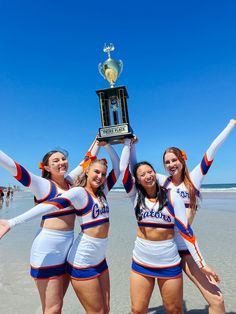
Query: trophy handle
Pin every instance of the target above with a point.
(100, 69)
(120, 66)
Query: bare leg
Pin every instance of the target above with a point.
(104, 281)
(209, 290)
(141, 289)
(172, 294)
(51, 293)
(93, 293)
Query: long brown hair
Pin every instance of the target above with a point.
(185, 175)
(45, 173)
(81, 180)
(160, 192)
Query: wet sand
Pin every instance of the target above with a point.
(214, 227)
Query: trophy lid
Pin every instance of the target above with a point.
(110, 69)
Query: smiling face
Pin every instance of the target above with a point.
(96, 175)
(173, 164)
(146, 177)
(57, 164)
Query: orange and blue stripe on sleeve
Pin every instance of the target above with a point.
(128, 180)
(205, 165)
(52, 193)
(111, 180)
(59, 202)
(23, 175)
(87, 208)
(186, 232)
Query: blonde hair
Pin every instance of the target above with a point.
(81, 180)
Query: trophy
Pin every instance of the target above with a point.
(113, 102)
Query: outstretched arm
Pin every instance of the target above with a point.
(176, 207)
(198, 173)
(90, 155)
(74, 198)
(39, 186)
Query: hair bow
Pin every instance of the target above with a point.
(184, 154)
(41, 166)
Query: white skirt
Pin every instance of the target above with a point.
(156, 253)
(49, 252)
(87, 251)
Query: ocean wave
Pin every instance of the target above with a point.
(229, 190)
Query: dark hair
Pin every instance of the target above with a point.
(45, 173)
(185, 175)
(160, 192)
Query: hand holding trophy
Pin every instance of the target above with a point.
(113, 102)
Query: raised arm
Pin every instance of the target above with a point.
(90, 155)
(133, 156)
(39, 186)
(125, 171)
(115, 172)
(198, 173)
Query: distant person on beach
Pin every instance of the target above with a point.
(54, 239)
(12, 194)
(8, 194)
(1, 195)
(86, 262)
(155, 254)
(1, 198)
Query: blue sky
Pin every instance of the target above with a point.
(179, 69)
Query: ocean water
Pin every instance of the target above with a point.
(219, 187)
(225, 187)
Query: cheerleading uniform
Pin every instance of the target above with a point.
(159, 258)
(86, 258)
(196, 175)
(50, 247)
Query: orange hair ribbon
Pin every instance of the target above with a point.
(184, 154)
(41, 166)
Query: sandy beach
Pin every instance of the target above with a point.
(214, 227)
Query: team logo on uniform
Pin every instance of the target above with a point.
(155, 214)
(97, 211)
(183, 194)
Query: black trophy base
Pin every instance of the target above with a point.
(114, 134)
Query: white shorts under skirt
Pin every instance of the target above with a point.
(86, 259)
(49, 252)
(156, 258)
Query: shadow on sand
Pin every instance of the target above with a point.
(161, 310)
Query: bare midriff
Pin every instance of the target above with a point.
(100, 231)
(64, 223)
(155, 234)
